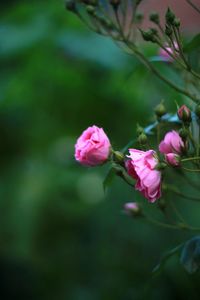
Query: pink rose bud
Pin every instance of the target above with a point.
(165, 55)
(142, 167)
(173, 159)
(184, 114)
(172, 143)
(92, 147)
(132, 209)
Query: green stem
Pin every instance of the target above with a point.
(189, 181)
(159, 75)
(179, 215)
(178, 193)
(187, 66)
(180, 49)
(191, 170)
(190, 159)
(193, 5)
(180, 226)
(161, 224)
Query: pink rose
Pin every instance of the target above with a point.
(184, 114)
(92, 147)
(141, 167)
(172, 143)
(165, 55)
(173, 159)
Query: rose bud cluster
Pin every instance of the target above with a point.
(172, 147)
(92, 147)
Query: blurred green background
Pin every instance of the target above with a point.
(61, 237)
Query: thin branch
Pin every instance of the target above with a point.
(193, 5)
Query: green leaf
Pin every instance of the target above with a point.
(190, 256)
(165, 258)
(108, 179)
(193, 44)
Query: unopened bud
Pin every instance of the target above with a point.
(132, 209)
(154, 17)
(142, 139)
(173, 159)
(197, 110)
(160, 109)
(184, 114)
(170, 17)
(149, 35)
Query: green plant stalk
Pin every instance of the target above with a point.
(193, 5)
(180, 226)
(191, 170)
(160, 76)
(190, 159)
(187, 66)
(188, 180)
(175, 191)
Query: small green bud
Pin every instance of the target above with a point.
(154, 31)
(149, 35)
(170, 17)
(154, 17)
(142, 139)
(197, 110)
(160, 109)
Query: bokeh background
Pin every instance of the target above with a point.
(61, 237)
